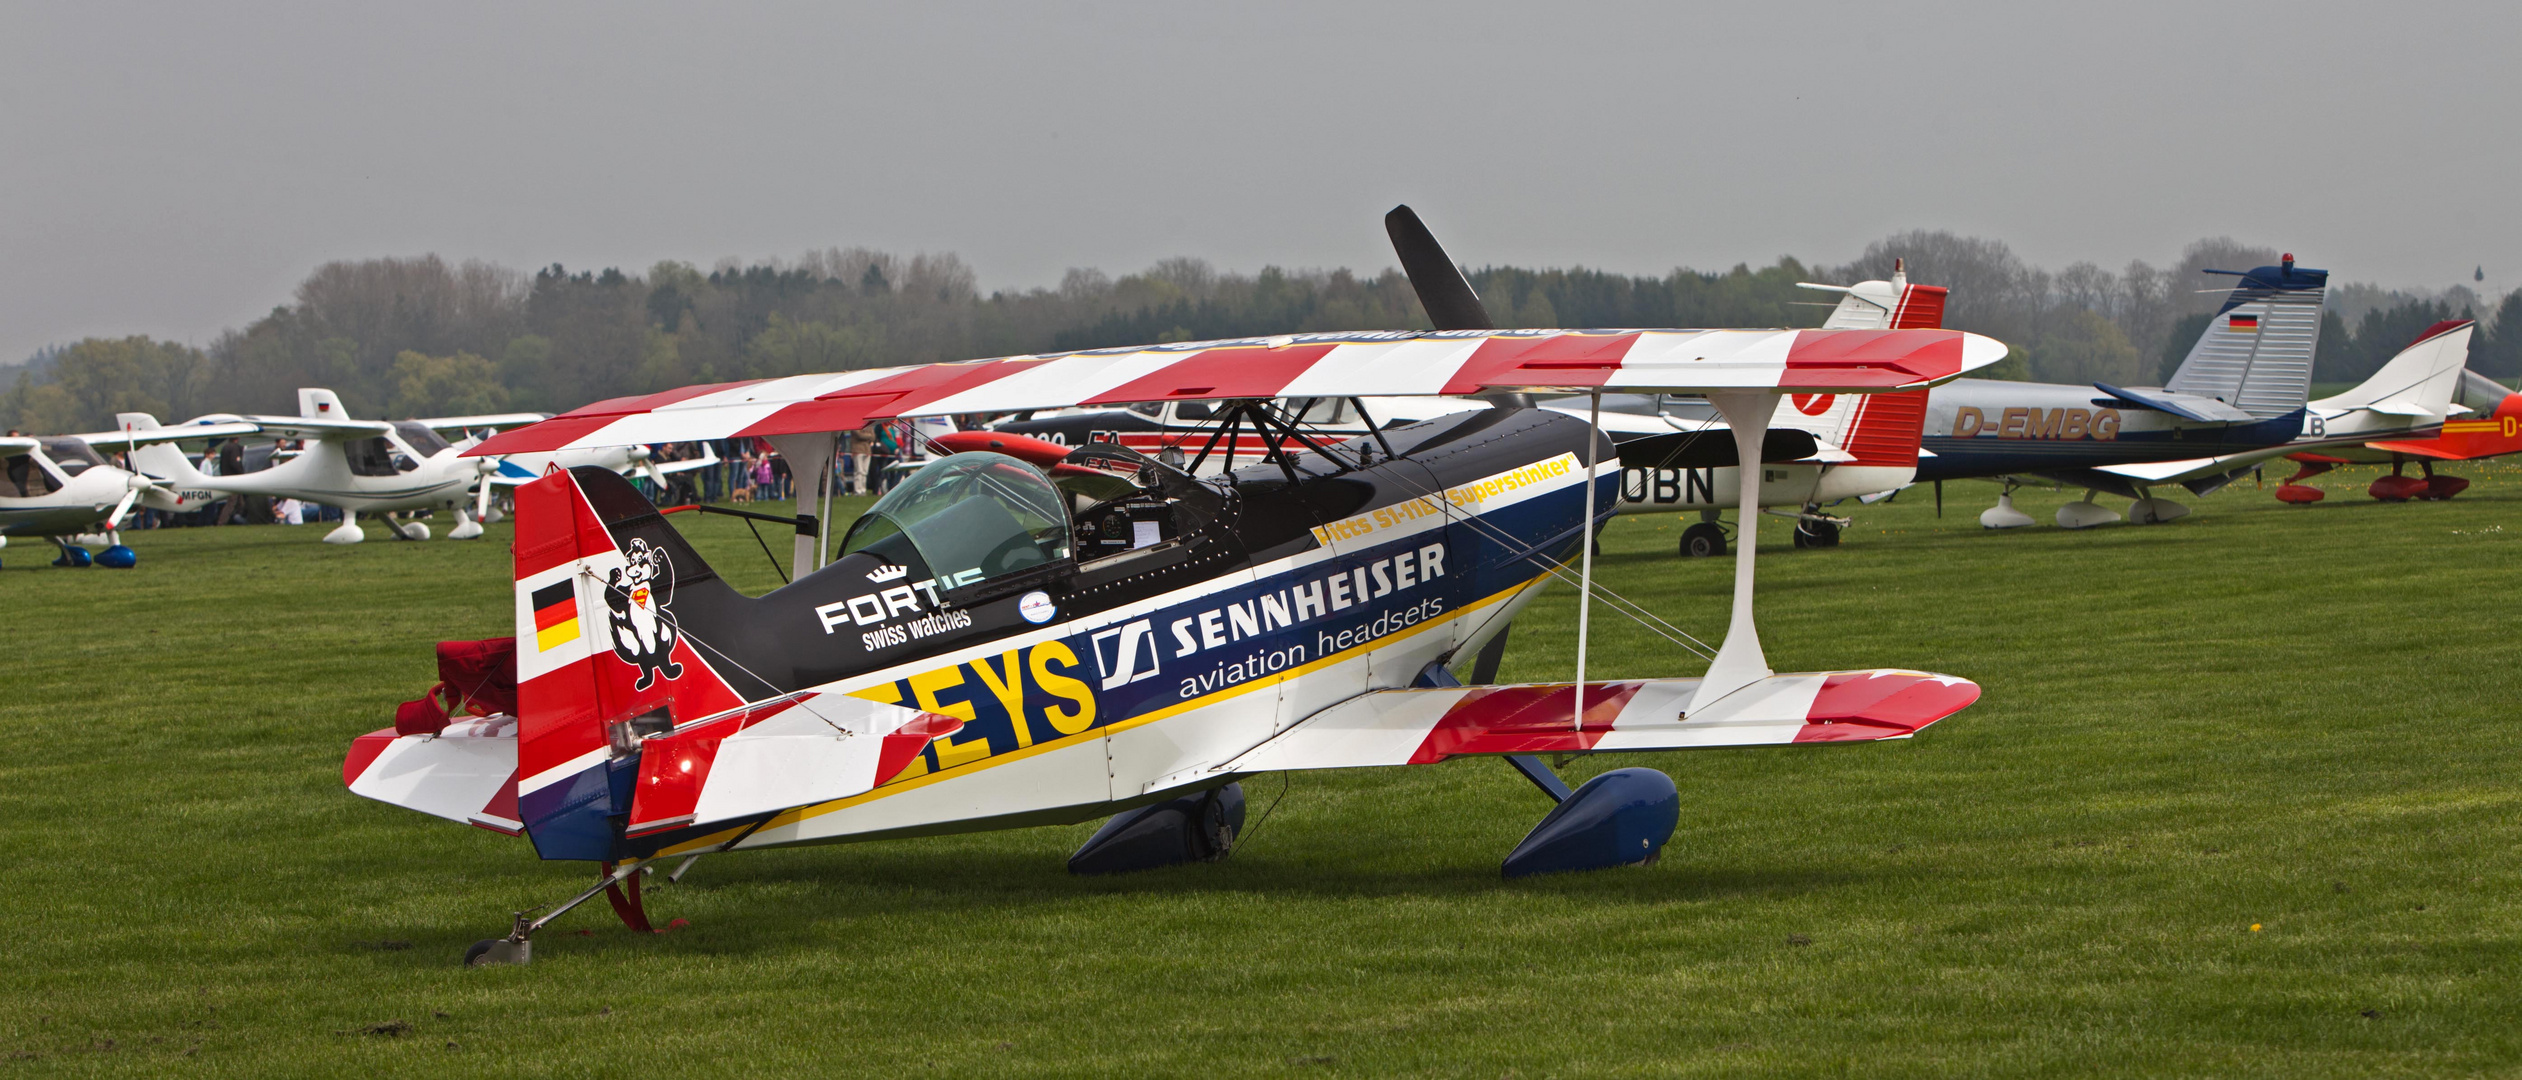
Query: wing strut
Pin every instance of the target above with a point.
(1739, 662)
(1585, 574)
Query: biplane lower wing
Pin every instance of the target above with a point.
(1414, 727)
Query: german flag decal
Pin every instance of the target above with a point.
(2243, 324)
(555, 616)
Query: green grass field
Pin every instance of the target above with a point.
(2240, 800)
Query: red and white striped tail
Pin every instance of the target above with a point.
(599, 640)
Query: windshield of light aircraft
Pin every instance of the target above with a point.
(423, 439)
(73, 456)
(970, 517)
(22, 477)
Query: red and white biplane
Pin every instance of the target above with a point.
(1002, 642)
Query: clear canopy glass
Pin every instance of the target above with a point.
(970, 517)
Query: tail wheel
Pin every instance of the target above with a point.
(1702, 541)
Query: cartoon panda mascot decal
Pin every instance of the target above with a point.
(643, 630)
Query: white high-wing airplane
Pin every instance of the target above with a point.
(360, 466)
(59, 487)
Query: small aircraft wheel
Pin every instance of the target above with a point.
(473, 954)
(1703, 540)
(1816, 534)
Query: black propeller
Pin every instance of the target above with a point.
(1443, 291)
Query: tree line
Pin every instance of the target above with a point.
(400, 337)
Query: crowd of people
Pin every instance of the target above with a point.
(749, 470)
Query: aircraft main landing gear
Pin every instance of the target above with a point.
(1621, 818)
(1816, 534)
(1199, 827)
(72, 555)
(1704, 540)
(2003, 515)
(2086, 514)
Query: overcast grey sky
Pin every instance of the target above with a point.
(176, 169)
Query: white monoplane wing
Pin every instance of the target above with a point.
(125, 440)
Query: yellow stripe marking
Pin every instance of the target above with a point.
(556, 635)
(800, 814)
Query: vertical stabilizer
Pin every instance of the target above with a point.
(2421, 380)
(316, 403)
(1875, 429)
(603, 653)
(2256, 354)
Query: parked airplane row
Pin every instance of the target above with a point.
(1309, 559)
(62, 487)
(2236, 402)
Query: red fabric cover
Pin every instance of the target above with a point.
(480, 676)
(422, 717)
(476, 677)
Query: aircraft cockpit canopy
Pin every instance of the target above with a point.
(423, 439)
(72, 456)
(967, 519)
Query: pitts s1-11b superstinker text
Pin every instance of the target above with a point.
(1002, 642)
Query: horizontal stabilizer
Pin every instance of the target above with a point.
(2404, 407)
(2205, 410)
(777, 755)
(1408, 727)
(467, 772)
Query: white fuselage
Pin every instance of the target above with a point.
(78, 504)
(322, 474)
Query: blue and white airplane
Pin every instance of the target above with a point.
(2243, 387)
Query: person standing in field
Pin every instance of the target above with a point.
(880, 461)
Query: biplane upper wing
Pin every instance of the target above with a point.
(1386, 364)
(1413, 727)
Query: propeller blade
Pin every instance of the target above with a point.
(655, 476)
(1443, 291)
(114, 521)
(481, 501)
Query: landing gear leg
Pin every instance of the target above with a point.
(72, 555)
(620, 884)
(348, 532)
